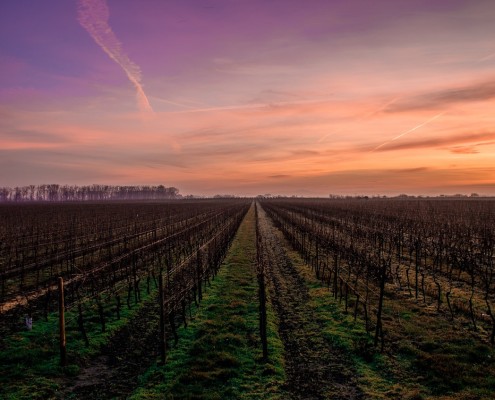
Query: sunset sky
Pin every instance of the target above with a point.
(250, 96)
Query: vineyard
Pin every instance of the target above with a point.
(109, 251)
(326, 298)
(439, 252)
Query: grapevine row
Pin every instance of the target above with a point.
(366, 249)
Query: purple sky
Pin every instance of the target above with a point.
(248, 97)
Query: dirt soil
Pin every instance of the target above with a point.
(315, 369)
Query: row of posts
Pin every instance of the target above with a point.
(61, 322)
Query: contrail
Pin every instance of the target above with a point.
(409, 131)
(93, 16)
(365, 116)
(250, 106)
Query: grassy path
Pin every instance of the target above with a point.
(218, 355)
(316, 369)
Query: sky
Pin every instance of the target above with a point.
(250, 97)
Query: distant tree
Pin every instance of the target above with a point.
(96, 192)
(4, 194)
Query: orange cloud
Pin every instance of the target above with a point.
(438, 142)
(440, 99)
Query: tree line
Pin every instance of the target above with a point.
(55, 192)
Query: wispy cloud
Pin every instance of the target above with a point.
(409, 170)
(439, 99)
(445, 142)
(280, 176)
(471, 148)
(245, 68)
(93, 15)
(31, 137)
(262, 106)
(464, 150)
(486, 58)
(367, 115)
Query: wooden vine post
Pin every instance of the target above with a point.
(263, 320)
(261, 288)
(163, 343)
(61, 322)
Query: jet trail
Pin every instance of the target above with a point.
(409, 131)
(365, 116)
(93, 16)
(249, 106)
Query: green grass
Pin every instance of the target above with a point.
(428, 359)
(219, 355)
(30, 360)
